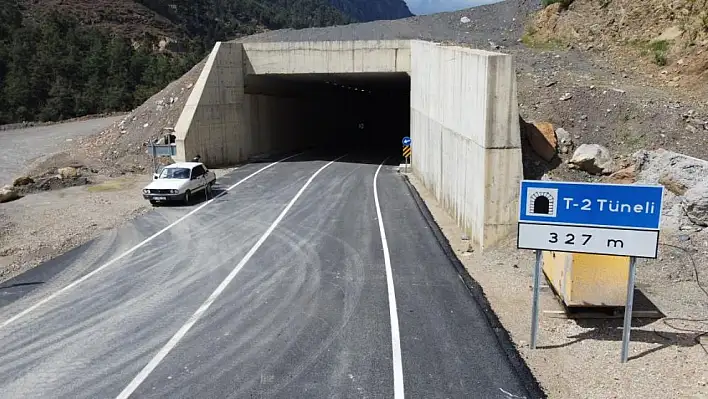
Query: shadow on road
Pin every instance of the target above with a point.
(354, 154)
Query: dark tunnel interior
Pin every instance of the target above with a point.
(363, 114)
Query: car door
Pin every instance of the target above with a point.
(197, 178)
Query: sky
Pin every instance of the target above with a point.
(422, 7)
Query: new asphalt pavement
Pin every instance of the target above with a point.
(283, 286)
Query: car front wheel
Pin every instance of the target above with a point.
(187, 197)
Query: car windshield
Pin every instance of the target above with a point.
(175, 173)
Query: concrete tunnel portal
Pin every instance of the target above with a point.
(458, 105)
(362, 113)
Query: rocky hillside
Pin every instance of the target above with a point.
(664, 41)
(175, 21)
(564, 87)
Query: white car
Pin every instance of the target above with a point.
(179, 182)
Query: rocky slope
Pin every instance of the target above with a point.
(572, 88)
(662, 41)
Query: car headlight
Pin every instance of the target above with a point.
(174, 191)
(146, 191)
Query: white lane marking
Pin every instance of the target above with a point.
(133, 249)
(393, 310)
(155, 361)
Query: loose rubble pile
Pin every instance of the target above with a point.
(664, 40)
(121, 148)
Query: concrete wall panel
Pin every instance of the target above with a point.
(210, 117)
(327, 57)
(465, 132)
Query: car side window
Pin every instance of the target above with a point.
(197, 171)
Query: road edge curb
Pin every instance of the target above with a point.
(531, 384)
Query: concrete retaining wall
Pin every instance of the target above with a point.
(465, 132)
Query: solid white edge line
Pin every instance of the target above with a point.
(155, 361)
(393, 310)
(133, 249)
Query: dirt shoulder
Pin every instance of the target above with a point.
(581, 358)
(41, 226)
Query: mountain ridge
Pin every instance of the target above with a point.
(64, 59)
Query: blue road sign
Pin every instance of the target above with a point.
(406, 140)
(621, 206)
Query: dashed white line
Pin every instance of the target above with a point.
(136, 247)
(155, 361)
(393, 310)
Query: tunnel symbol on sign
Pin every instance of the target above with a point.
(541, 202)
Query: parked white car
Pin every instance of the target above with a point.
(179, 182)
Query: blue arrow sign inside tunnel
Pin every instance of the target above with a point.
(406, 140)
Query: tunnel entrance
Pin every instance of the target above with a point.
(457, 104)
(363, 113)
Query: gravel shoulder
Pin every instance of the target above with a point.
(581, 358)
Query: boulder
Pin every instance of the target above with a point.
(543, 140)
(22, 181)
(565, 140)
(623, 176)
(695, 204)
(8, 193)
(592, 158)
(677, 172)
(68, 172)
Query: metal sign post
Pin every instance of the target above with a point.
(406, 156)
(627, 328)
(591, 218)
(536, 298)
(153, 151)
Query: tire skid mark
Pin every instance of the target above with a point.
(264, 301)
(127, 328)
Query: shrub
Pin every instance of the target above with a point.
(659, 49)
(564, 3)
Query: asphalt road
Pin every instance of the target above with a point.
(280, 287)
(20, 146)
